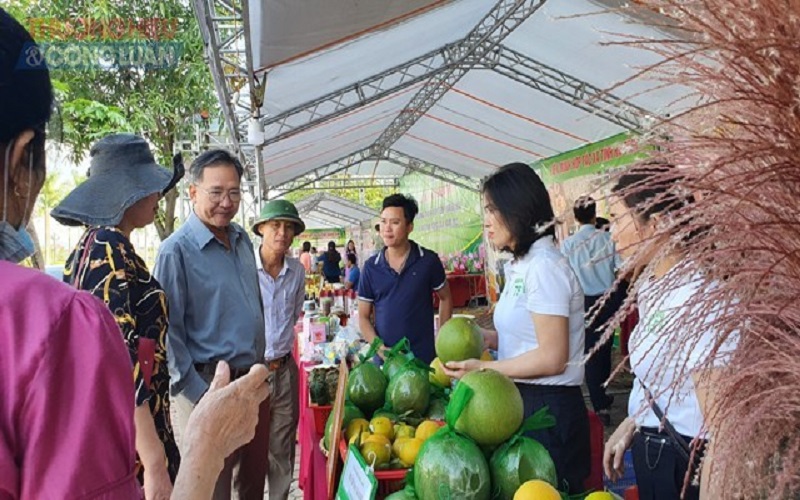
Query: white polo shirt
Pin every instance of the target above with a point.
(664, 356)
(541, 282)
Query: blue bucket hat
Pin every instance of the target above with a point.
(122, 172)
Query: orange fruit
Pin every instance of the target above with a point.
(356, 426)
(409, 451)
(537, 490)
(375, 453)
(426, 429)
(397, 445)
(382, 426)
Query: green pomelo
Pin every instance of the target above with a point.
(459, 339)
(436, 409)
(451, 466)
(393, 365)
(495, 411)
(401, 495)
(383, 412)
(350, 412)
(366, 387)
(409, 390)
(523, 461)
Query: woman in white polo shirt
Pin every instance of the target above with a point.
(539, 318)
(663, 355)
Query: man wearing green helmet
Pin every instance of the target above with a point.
(282, 282)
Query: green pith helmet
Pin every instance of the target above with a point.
(279, 210)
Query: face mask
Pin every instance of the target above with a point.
(15, 244)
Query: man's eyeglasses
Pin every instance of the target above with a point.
(216, 196)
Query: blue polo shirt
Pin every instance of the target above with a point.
(403, 303)
(593, 257)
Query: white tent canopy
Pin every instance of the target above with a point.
(326, 211)
(452, 88)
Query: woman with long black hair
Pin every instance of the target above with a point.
(538, 319)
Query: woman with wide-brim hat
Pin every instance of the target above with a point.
(121, 194)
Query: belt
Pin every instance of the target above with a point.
(211, 368)
(278, 363)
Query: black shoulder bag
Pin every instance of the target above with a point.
(682, 446)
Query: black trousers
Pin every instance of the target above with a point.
(598, 368)
(660, 469)
(568, 442)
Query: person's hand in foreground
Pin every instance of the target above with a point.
(457, 369)
(614, 451)
(224, 419)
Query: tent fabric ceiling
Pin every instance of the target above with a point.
(499, 112)
(325, 211)
(290, 28)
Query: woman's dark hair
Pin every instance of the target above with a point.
(523, 203)
(306, 246)
(26, 94)
(348, 245)
(655, 189)
(333, 254)
(651, 189)
(407, 203)
(314, 250)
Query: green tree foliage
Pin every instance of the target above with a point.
(163, 105)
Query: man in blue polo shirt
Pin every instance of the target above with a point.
(594, 259)
(396, 284)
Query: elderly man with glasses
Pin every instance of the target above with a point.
(208, 271)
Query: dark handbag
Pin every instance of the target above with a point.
(145, 348)
(682, 446)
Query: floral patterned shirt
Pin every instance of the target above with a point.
(105, 263)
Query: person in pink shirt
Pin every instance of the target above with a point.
(305, 256)
(66, 390)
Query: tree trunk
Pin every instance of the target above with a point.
(165, 220)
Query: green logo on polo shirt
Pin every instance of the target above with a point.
(518, 288)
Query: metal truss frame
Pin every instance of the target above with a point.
(565, 87)
(313, 202)
(318, 198)
(440, 69)
(371, 89)
(324, 222)
(305, 180)
(416, 165)
(351, 182)
(503, 19)
(323, 173)
(225, 28)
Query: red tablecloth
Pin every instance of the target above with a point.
(463, 288)
(312, 477)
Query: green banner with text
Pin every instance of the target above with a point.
(449, 218)
(595, 158)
